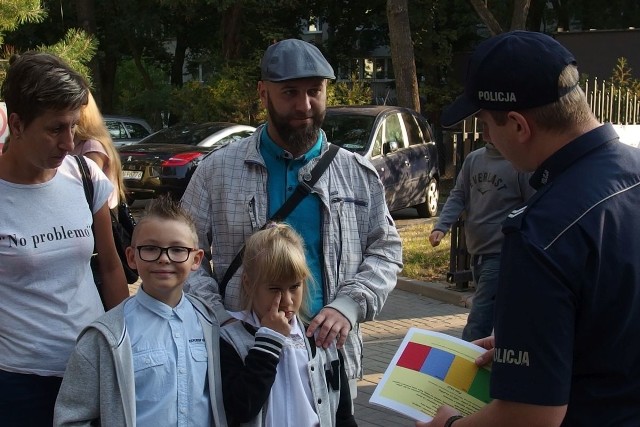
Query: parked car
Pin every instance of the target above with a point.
(399, 143)
(165, 161)
(126, 130)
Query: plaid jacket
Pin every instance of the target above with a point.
(227, 197)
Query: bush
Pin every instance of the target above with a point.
(354, 92)
(229, 96)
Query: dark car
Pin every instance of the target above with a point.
(399, 143)
(126, 130)
(165, 161)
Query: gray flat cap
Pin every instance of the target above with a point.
(294, 59)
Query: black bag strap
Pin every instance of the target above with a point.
(302, 190)
(87, 183)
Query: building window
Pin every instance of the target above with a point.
(367, 69)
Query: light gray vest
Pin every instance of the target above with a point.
(324, 367)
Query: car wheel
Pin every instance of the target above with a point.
(429, 207)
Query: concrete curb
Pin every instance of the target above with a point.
(439, 291)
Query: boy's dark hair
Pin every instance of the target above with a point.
(37, 82)
(167, 208)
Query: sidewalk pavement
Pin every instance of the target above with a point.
(424, 305)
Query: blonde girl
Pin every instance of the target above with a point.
(272, 375)
(92, 140)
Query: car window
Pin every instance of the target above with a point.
(116, 130)
(377, 143)
(349, 131)
(243, 134)
(426, 130)
(136, 130)
(413, 130)
(233, 137)
(393, 130)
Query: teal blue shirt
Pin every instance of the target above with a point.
(306, 218)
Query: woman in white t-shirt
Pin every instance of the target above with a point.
(46, 239)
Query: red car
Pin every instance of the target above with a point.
(164, 162)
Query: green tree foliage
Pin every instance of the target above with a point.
(231, 95)
(75, 46)
(606, 14)
(354, 92)
(442, 28)
(150, 104)
(622, 77)
(16, 12)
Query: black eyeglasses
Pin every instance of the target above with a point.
(152, 253)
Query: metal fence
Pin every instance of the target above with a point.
(611, 103)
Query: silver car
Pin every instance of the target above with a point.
(127, 130)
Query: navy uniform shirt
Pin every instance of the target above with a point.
(567, 318)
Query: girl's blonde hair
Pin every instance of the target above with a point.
(275, 255)
(91, 126)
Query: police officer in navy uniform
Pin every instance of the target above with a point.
(567, 315)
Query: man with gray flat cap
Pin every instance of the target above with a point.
(565, 349)
(352, 246)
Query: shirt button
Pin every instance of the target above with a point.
(183, 410)
(312, 369)
(182, 370)
(177, 335)
(147, 361)
(319, 401)
(306, 176)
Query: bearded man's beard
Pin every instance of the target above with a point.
(298, 139)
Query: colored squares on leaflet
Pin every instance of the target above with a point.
(456, 371)
(480, 386)
(413, 356)
(437, 363)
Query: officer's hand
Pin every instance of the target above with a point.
(442, 415)
(489, 344)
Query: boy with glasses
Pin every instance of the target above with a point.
(154, 359)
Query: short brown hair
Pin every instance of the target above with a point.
(37, 82)
(166, 208)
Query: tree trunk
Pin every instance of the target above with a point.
(231, 32)
(179, 55)
(486, 16)
(404, 66)
(108, 78)
(520, 12)
(136, 54)
(536, 20)
(562, 13)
